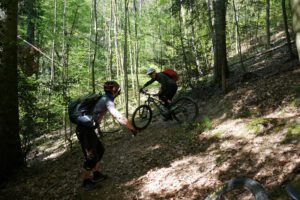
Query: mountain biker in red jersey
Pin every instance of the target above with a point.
(168, 87)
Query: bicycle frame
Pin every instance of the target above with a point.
(156, 102)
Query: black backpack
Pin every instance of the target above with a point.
(82, 106)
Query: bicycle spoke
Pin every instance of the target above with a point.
(142, 117)
(185, 110)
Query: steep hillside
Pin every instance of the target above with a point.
(252, 131)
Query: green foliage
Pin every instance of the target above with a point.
(256, 124)
(32, 116)
(204, 125)
(293, 134)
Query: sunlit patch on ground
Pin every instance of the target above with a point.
(238, 152)
(154, 147)
(181, 174)
(235, 128)
(49, 146)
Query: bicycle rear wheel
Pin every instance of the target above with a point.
(254, 187)
(184, 110)
(109, 125)
(141, 117)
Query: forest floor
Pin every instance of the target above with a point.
(252, 131)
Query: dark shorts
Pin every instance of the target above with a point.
(91, 146)
(168, 93)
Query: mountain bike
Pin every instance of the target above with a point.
(183, 110)
(253, 186)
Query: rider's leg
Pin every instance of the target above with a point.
(162, 97)
(169, 94)
(92, 150)
(97, 175)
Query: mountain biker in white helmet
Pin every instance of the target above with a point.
(168, 87)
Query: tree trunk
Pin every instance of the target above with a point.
(64, 74)
(131, 53)
(238, 37)
(136, 48)
(53, 42)
(95, 43)
(195, 51)
(295, 5)
(10, 145)
(211, 24)
(90, 45)
(268, 24)
(110, 42)
(257, 24)
(286, 28)
(125, 59)
(29, 4)
(221, 67)
(186, 66)
(116, 38)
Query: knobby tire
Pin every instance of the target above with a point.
(181, 108)
(142, 110)
(292, 192)
(253, 186)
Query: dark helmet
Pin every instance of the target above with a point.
(111, 86)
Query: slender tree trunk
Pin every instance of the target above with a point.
(53, 42)
(238, 36)
(160, 45)
(52, 70)
(183, 47)
(29, 66)
(131, 53)
(211, 24)
(295, 5)
(70, 34)
(136, 48)
(286, 28)
(121, 52)
(10, 146)
(116, 39)
(257, 25)
(195, 51)
(95, 43)
(110, 41)
(90, 45)
(31, 14)
(64, 74)
(268, 23)
(221, 67)
(125, 59)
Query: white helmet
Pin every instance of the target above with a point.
(150, 71)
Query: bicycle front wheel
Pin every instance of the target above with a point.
(141, 117)
(253, 186)
(184, 110)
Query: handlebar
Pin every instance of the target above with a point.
(147, 93)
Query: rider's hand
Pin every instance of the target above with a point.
(141, 90)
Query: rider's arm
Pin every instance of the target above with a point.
(118, 116)
(148, 83)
